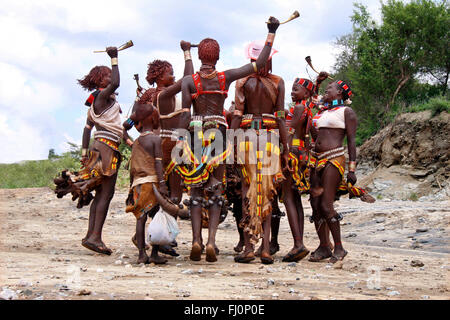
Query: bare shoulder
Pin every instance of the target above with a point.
(187, 80)
(350, 113)
(155, 139)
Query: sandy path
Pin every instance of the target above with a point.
(41, 256)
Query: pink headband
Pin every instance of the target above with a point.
(254, 48)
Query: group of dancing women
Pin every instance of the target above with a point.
(296, 151)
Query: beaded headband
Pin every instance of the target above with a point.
(345, 87)
(308, 84)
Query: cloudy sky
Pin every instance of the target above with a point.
(46, 45)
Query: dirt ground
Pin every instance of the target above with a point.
(397, 250)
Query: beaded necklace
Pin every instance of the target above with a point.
(208, 75)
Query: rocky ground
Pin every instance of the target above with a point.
(397, 250)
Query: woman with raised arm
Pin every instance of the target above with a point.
(163, 98)
(102, 160)
(334, 122)
(206, 91)
(299, 120)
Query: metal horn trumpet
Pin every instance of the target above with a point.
(308, 60)
(122, 47)
(293, 16)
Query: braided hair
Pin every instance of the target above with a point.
(156, 69)
(208, 51)
(147, 98)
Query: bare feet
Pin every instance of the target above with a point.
(133, 239)
(143, 258)
(211, 253)
(196, 252)
(320, 254)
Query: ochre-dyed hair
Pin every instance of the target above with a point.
(147, 98)
(93, 80)
(156, 70)
(208, 51)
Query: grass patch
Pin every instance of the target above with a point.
(40, 173)
(436, 105)
(413, 196)
(34, 174)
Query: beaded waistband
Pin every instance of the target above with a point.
(337, 152)
(113, 145)
(107, 135)
(265, 121)
(168, 134)
(200, 121)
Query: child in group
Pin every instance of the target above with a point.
(147, 186)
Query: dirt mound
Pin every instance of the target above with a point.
(409, 157)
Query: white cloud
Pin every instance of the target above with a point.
(20, 141)
(46, 45)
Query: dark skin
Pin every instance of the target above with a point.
(151, 144)
(292, 199)
(327, 139)
(169, 88)
(212, 104)
(258, 103)
(166, 106)
(105, 192)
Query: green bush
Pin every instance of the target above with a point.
(34, 174)
(436, 105)
(40, 173)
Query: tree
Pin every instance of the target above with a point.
(386, 61)
(417, 39)
(52, 154)
(74, 150)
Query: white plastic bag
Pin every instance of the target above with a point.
(163, 229)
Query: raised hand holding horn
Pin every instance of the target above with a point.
(308, 60)
(293, 16)
(122, 47)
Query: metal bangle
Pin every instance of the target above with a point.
(114, 61)
(84, 152)
(270, 39)
(352, 166)
(187, 55)
(255, 67)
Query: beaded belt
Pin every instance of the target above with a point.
(107, 135)
(333, 152)
(265, 121)
(298, 143)
(168, 134)
(201, 121)
(110, 143)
